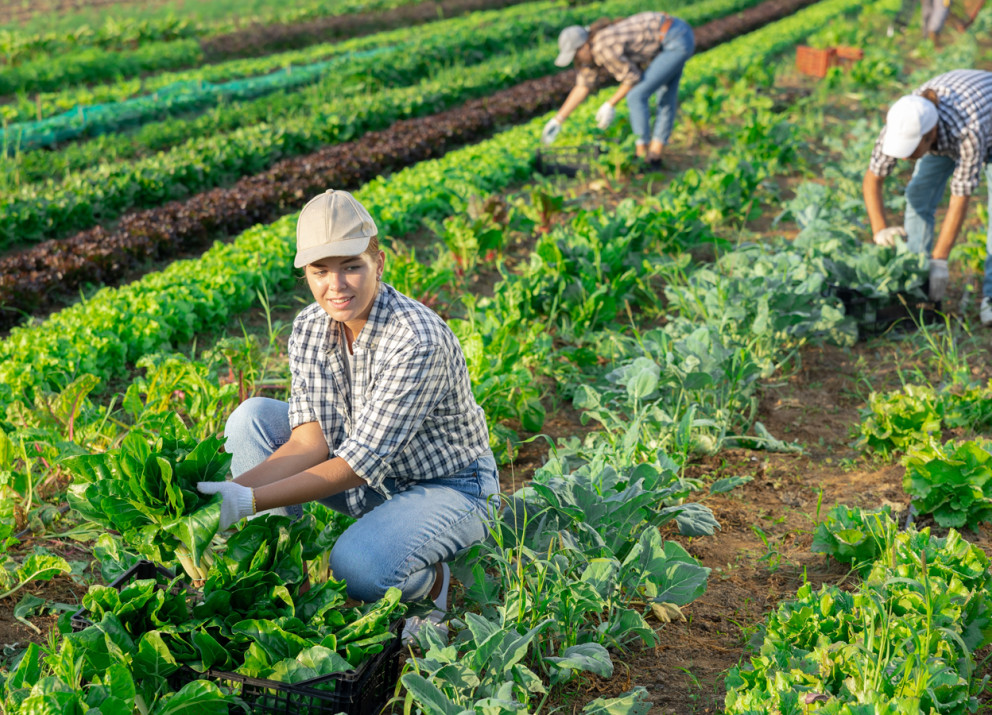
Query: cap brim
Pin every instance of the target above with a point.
(350, 247)
(899, 147)
(564, 59)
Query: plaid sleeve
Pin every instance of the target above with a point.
(968, 173)
(301, 408)
(880, 164)
(405, 392)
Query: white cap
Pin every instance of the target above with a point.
(908, 120)
(332, 224)
(569, 42)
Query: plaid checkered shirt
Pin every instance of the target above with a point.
(404, 406)
(964, 128)
(623, 50)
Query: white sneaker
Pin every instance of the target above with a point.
(413, 625)
(985, 311)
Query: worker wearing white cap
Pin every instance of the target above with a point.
(946, 127)
(645, 53)
(381, 421)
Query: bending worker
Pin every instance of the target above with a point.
(645, 53)
(946, 127)
(381, 422)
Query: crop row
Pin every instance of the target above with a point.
(207, 160)
(295, 112)
(101, 254)
(67, 97)
(282, 25)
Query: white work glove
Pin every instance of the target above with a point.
(551, 130)
(938, 278)
(605, 115)
(887, 236)
(238, 503)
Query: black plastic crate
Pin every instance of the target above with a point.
(901, 312)
(566, 160)
(360, 691)
(141, 570)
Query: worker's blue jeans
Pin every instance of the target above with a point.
(396, 541)
(661, 76)
(924, 194)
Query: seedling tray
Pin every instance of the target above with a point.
(901, 312)
(360, 691)
(566, 160)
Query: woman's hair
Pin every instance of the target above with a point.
(930, 94)
(373, 248)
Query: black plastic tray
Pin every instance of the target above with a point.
(901, 312)
(566, 160)
(360, 691)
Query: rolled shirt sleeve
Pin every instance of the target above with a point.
(971, 158)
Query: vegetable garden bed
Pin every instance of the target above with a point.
(767, 502)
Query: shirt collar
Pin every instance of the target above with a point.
(374, 326)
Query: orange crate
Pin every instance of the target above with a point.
(813, 61)
(849, 53)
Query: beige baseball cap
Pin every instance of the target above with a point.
(332, 224)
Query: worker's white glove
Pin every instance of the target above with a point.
(238, 503)
(938, 278)
(887, 236)
(605, 115)
(551, 130)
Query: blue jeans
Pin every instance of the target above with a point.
(395, 542)
(923, 196)
(661, 76)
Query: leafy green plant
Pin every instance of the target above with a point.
(900, 420)
(953, 482)
(146, 490)
(854, 536)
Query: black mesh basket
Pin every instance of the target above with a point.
(566, 160)
(141, 570)
(360, 691)
(900, 312)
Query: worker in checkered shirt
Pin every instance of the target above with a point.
(945, 126)
(381, 422)
(645, 53)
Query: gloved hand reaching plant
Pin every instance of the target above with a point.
(551, 130)
(887, 236)
(938, 278)
(605, 116)
(238, 503)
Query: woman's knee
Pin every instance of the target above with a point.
(253, 413)
(365, 575)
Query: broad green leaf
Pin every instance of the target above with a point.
(429, 696)
(202, 697)
(633, 702)
(721, 486)
(589, 657)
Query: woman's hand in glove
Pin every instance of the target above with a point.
(551, 130)
(887, 236)
(238, 503)
(605, 116)
(938, 279)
